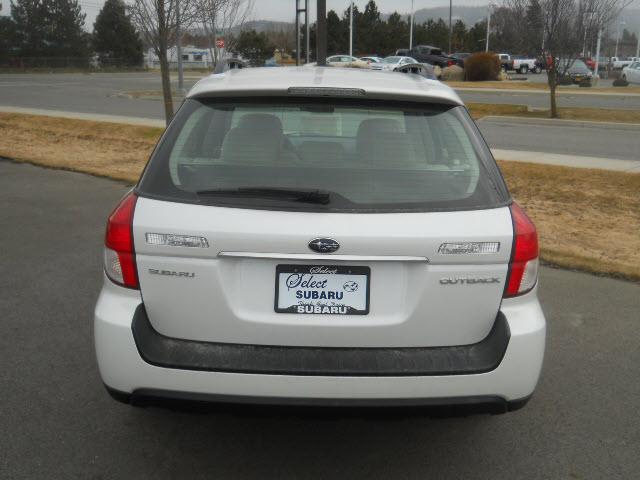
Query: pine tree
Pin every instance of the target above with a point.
(254, 46)
(7, 39)
(115, 39)
(50, 28)
(336, 34)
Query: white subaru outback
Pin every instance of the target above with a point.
(321, 236)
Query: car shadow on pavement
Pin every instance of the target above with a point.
(254, 443)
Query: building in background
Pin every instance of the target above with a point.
(192, 57)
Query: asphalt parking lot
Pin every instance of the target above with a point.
(58, 422)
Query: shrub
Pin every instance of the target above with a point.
(481, 67)
(453, 73)
(620, 82)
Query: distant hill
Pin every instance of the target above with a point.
(468, 14)
(268, 26)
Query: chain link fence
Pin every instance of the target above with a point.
(66, 63)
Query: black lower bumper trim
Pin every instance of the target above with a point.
(194, 401)
(168, 352)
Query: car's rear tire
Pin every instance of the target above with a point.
(524, 69)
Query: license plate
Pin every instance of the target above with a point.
(322, 289)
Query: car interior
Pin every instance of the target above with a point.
(362, 154)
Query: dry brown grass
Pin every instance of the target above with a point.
(503, 85)
(479, 110)
(587, 219)
(525, 85)
(107, 149)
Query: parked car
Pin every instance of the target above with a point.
(460, 58)
(431, 55)
(523, 64)
(372, 59)
(589, 62)
(346, 61)
(619, 63)
(334, 238)
(423, 69)
(389, 64)
(577, 71)
(632, 73)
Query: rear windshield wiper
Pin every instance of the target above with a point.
(305, 196)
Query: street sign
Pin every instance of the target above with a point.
(220, 43)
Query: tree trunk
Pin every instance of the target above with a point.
(552, 80)
(166, 85)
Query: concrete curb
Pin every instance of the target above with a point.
(573, 161)
(543, 92)
(559, 122)
(146, 122)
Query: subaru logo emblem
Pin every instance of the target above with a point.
(324, 245)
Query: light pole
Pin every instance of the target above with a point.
(488, 28)
(586, 17)
(306, 26)
(411, 28)
(179, 50)
(621, 24)
(321, 33)
(597, 67)
(450, 27)
(351, 29)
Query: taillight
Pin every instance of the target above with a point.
(119, 255)
(523, 268)
(450, 63)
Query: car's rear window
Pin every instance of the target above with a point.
(372, 156)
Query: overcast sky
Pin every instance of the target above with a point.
(284, 10)
(281, 9)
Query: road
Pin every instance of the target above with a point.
(58, 423)
(569, 138)
(540, 99)
(101, 93)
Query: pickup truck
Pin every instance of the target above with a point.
(619, 63)
(431, 55)
(523, 64)
(505, 61)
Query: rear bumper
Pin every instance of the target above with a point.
(502, 387)
(161, 351)
(442, 405)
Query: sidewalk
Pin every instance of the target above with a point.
(574, 161)
(582, 91)
(94, 117)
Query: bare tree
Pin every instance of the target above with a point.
(564, 24)
(219, 18)
(157, 21)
